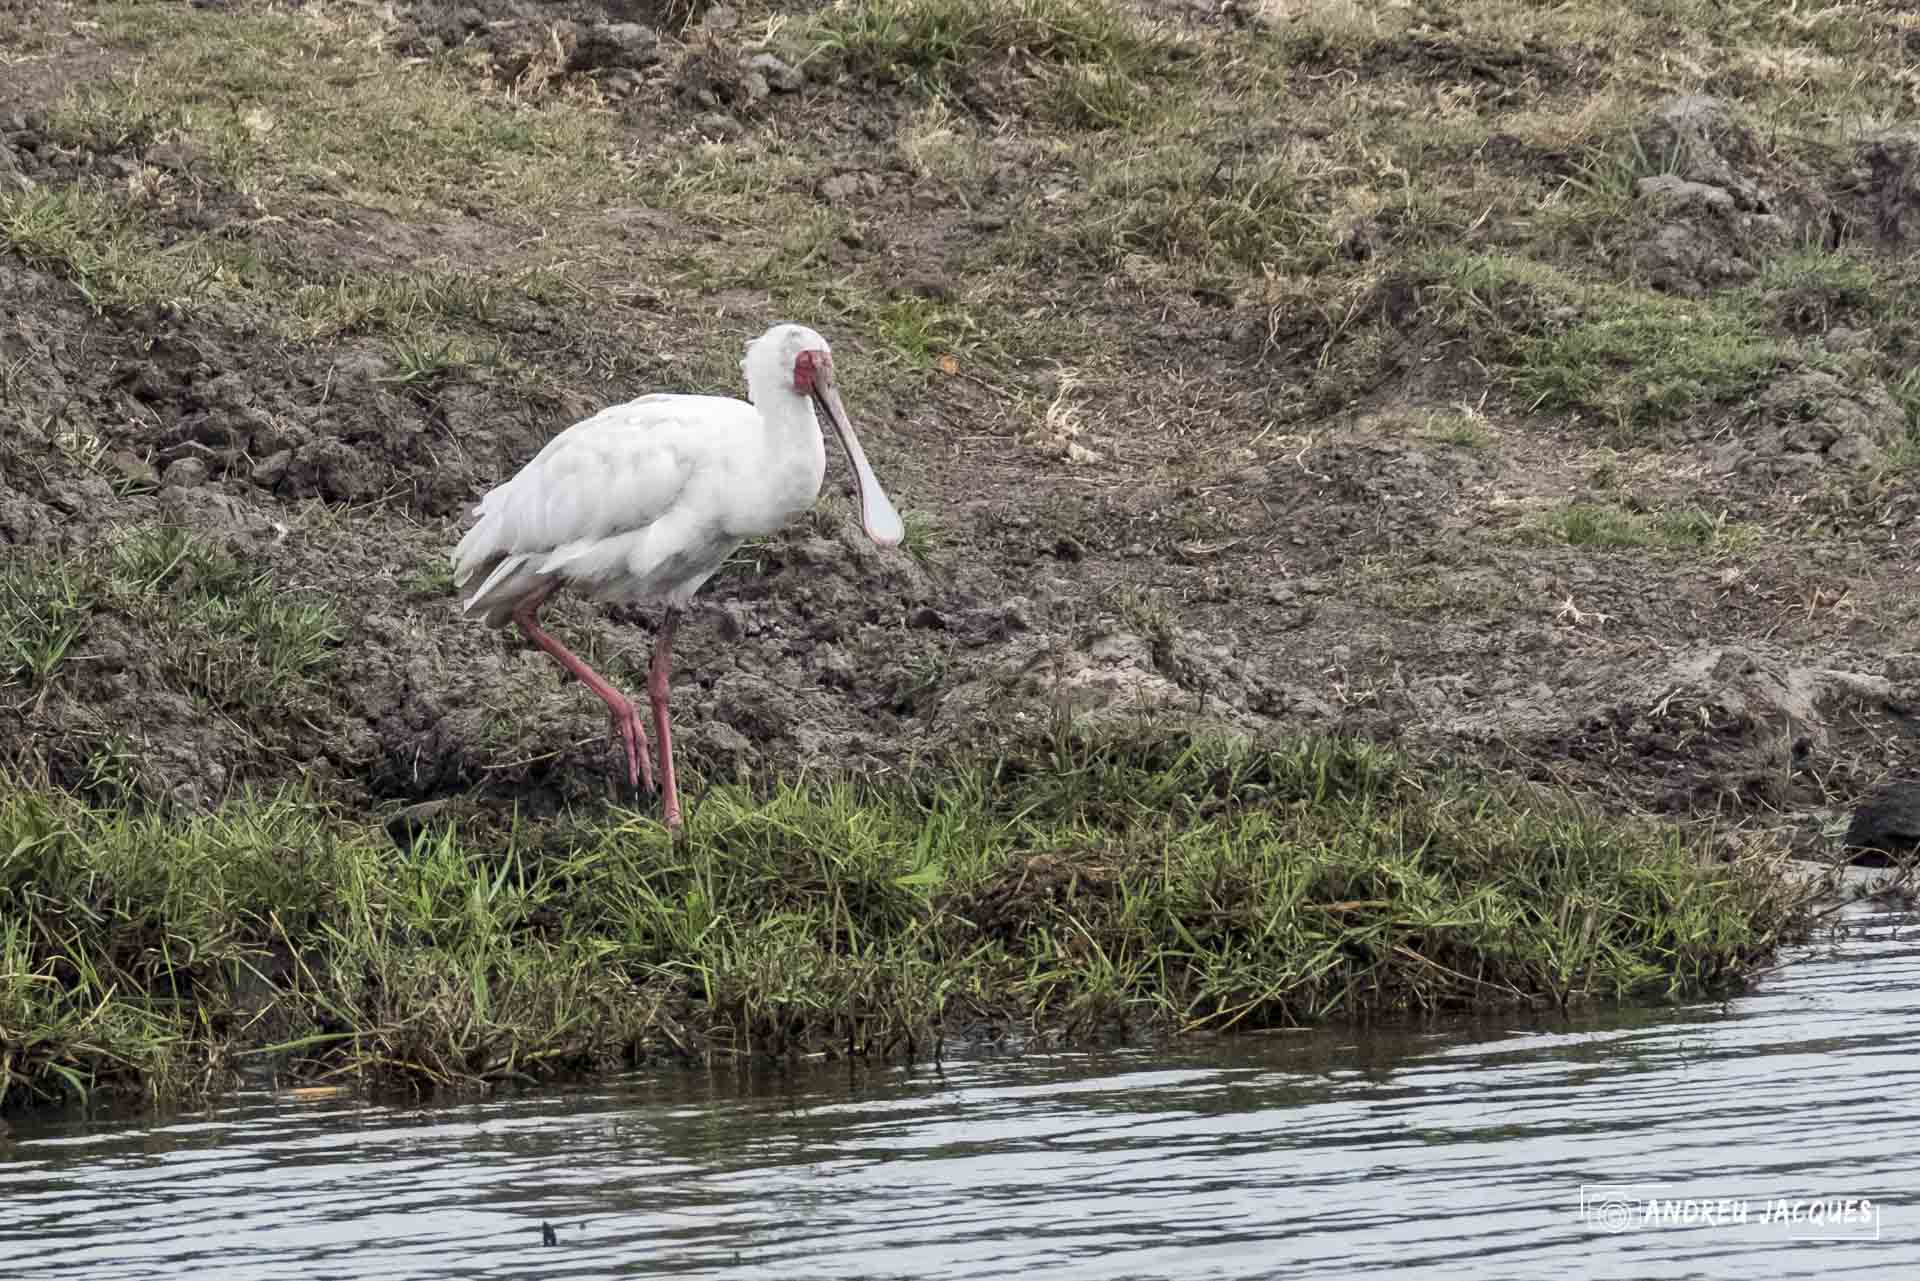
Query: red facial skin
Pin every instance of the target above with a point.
(807, 368)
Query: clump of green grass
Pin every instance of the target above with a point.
(1814, 289)
(1465, 429)
(1618, 354)
(1463, 425)
(146, 560)
(750, 559)
(395, 302)
(102, 245)
(1606, 526)
(272, 105)
(1491, 297)
(1185, 206)
(421, 359)
(281, 99)
(1610, 174)
(106, 247)
(227, 634)
(1094, 97)
(430, 579)
(1144, 611)
(920, 329)
(922, 535)
(1077, 884)
(44, 606)
(934, 43)
(235, 637)
(922, 681)
(1313, 30)
(1905, 390)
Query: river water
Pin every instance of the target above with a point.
(1334, 1154)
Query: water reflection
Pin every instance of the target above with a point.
(1459, 1153)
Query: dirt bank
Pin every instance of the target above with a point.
(1429, 378)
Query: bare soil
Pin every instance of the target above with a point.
(1172, 497)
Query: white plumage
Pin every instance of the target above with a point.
(644, 501)
(615, 504)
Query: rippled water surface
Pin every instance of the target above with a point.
(1452, 1154)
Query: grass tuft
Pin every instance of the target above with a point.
(44, 606)
(1184, 206)
(99, 243)
(1603, 526)
(218, 631)
(933, 42)
(1613, 353)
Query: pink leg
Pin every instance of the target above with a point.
(657, 694)
(625, 720)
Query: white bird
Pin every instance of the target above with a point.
(643, 502)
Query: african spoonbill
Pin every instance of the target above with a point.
(643, 501)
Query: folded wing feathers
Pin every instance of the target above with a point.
(606, 477)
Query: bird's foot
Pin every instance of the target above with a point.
(626, 724)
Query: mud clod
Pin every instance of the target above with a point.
(615, 45)
(1811, 417)
(1704, 144)
(184, 473)
(780, 77)
(1887, 181)
(1734, 204)
(1886, 825)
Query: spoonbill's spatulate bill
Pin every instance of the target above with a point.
(644, 501)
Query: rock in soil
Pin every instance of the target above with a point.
(1886, 825)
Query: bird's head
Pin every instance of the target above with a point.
(795, 356)
(795, 359)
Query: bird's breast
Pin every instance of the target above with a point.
(780, 487)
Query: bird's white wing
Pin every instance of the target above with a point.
(599, 481)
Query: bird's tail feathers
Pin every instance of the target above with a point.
(470, 555)
(513, 579)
